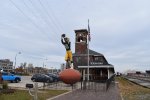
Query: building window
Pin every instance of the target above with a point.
(78, 59)
(96, 59)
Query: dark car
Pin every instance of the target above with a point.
(41, 78)
(53, 76)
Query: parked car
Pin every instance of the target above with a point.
(10, 77)
(53, 76)
(41, 78)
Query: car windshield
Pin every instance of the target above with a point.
(4, 73)
(36, 75)
(51, 74)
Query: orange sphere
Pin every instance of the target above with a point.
(70, 76)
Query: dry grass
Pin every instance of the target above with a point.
(131, 91)
(24, 95)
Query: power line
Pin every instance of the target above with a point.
(41, 16)
(27, 17)
(33, 13)
(29, 9)
(55, 18)
(49, 15)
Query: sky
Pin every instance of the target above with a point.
(119, 30)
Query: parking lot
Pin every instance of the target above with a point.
(23, 82)
(27, 80)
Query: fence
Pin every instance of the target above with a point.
(97, 85)
(108, 81)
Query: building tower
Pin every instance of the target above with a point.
(99, 68)
(81, 41)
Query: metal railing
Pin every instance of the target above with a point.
(109, 81)
(96, 83)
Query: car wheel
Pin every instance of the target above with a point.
(33, 80)
(48, 81)
(52, 80)
(55, 80)
(16, 80)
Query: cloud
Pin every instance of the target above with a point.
(119, 30)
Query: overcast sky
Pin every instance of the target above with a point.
(120, 29)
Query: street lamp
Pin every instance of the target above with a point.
(52, 70)
(16, 59)
(43, 62)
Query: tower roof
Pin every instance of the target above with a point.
(81, 30)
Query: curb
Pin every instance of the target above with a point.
(119, 90)
(59, 95)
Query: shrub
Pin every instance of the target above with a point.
(5, 85)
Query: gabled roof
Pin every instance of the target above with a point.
(91, 52)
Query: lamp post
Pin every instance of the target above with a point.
(16, 59)
(52, 69)
(44, 65)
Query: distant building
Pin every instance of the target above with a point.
(40, 70)
(29, 69)
(54, 71)
(6, 65)
(63, 66)
(147, 71)
(136, 74)
(99, 68)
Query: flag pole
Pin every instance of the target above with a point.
(88, 51)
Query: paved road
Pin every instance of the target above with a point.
(111, 94)
(139, 81)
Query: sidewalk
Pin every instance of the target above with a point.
(111, 94)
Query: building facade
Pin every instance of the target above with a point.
(6, 65)
(99, 68)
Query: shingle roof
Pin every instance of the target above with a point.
(91, 52)
(95, 53)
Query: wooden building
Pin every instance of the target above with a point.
(99, 68)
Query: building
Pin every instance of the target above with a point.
(99, 68)
(62, 66)
(147, 71)
(6, 65)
